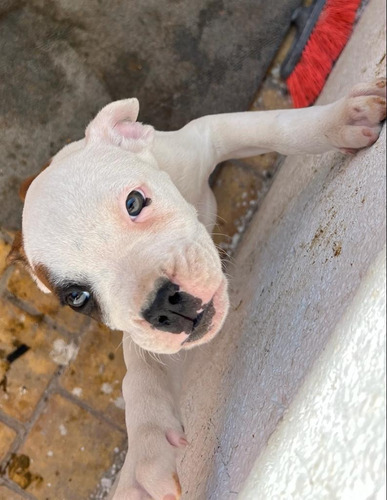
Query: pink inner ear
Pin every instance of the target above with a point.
(116, 124)
(132, 130)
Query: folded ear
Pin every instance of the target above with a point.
(116, 124)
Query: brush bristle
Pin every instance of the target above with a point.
(325, 44)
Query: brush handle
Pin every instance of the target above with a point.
(304, 19)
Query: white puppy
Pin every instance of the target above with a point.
(118, 228)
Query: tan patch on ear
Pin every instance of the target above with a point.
(27, 182)
(17, 253)
(25, 185)
(43, 275)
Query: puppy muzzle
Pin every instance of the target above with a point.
(175, 311)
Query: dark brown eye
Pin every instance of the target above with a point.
(135, 202)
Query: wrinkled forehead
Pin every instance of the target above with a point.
(100, 168)
(76, 196)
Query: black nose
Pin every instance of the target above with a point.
(171, 310)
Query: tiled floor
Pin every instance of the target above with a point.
(61, 417)
(62, 433)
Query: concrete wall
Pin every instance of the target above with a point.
(305, 280)
(331, 443)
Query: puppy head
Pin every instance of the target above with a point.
(108, 232)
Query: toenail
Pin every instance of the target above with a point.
(177, 483)
(367, 132)
(183, 442)
(381, 84)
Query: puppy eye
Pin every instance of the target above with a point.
(77, 298)
(135, 202)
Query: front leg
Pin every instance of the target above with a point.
(349, 124)
(352, 123)
(155, 432)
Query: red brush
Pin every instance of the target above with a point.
(324, 29)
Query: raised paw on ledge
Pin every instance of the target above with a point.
(357, 118)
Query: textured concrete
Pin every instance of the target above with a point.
(62, 60)
(298, 269)
(331, 443)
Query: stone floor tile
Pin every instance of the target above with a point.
(4, 250)
(22, 382)
(69, 450)
(7, 494)
(95, 375)
(237, 189)
(7, 435)
(271, 97)
(18, 470)
(21, 285)
(264, 165)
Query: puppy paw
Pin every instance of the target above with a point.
(149, 471)
(356, 120)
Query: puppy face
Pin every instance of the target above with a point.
(110, 234)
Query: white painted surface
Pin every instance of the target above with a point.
(299, 268)
(331, 443)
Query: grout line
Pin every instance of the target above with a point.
(11, 422)
(24, 306)
(24, 432)
(4, 279)
(73, 399)
(46, 319)
(75, 337)
(14, 487)
(24, 429)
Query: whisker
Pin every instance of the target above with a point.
(140, 353)
(218, 218)
(225, 255)
(127, 337)
(222, 234)
(156, 357)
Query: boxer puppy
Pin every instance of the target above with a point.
(117, 226)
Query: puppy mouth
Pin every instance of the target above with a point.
(202, 323)
(210, 319)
